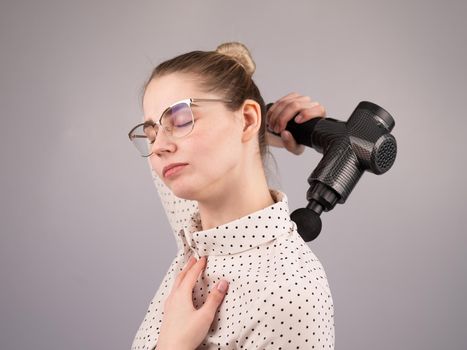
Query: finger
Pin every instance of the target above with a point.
(215, 298)
(286, 97)
(289, 110)
(277, 106)
(291, 144)
(192, 274)
(285, 111)
(316, 110)
(181, 275)
(274, 140)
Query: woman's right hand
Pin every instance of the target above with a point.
(184, 326)
(285, 109)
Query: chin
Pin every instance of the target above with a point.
(183, 191)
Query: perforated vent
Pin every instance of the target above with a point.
(386, 154)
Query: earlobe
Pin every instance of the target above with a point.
(251, 111)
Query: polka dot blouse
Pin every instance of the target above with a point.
(278, 296)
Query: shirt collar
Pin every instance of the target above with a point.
(242, 234)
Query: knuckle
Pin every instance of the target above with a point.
(278, 103)
(315, 111)
(295, 104)
(307, 113)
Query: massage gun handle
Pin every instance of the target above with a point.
(301, 132)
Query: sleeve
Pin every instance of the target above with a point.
(301, 319)
(178, 210)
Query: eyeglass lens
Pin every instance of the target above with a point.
(177, 121)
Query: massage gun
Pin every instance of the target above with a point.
(363, 143)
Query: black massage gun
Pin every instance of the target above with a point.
(363, 143)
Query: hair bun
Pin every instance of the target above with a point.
(240, 53)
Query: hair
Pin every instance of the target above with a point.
(228, 70)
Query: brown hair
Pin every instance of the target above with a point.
(228, 71)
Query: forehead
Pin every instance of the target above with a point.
(163, 91)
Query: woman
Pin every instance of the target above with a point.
(207, 163)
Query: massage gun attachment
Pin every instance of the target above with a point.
(363, 143)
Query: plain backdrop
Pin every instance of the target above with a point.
(84, 240)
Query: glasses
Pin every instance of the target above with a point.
(177, 121)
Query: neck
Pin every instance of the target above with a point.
(249, 194)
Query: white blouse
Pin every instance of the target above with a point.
(278, 295)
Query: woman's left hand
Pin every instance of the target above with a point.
(184, 326)
(285, 109)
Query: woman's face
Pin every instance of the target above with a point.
(213, 149)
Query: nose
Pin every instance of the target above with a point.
(162, 143)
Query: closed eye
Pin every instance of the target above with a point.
(181, 126)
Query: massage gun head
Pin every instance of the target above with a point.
(368, 130)
(308, 223)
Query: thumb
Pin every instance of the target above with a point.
(290, 144)
(216, 296)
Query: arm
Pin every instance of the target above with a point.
(178, 210)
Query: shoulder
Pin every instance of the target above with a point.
(291, 315)
(298, 265)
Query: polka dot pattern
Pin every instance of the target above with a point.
(278, 296)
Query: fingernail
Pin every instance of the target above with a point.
(222, 286)
(299, 118)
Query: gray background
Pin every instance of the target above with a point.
(84, 240)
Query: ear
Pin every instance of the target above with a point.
(251, 113)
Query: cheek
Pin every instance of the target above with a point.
(211, 153)
(216, 150)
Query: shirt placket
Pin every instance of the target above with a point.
(191, 243)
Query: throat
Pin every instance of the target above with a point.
(223, 209)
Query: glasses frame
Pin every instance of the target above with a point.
(189, 102)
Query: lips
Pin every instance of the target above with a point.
(170, 166)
